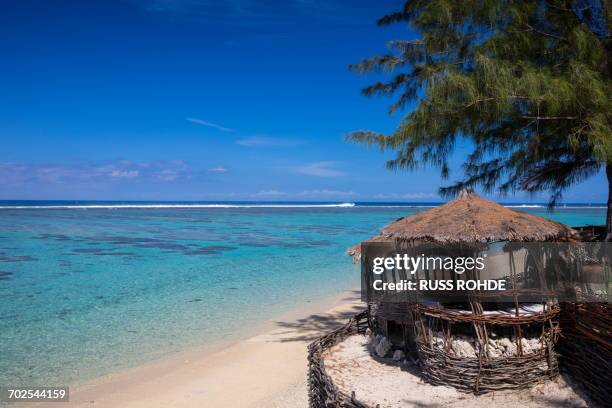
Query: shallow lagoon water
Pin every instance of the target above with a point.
(88, 291)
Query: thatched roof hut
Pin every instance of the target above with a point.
(471, 218)
(435, 330)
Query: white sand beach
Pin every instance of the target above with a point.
(266, 370)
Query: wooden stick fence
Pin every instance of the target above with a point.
(586, 347)
(322, 392)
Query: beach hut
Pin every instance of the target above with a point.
(475, 346)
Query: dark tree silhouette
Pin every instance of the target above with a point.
(528, 82)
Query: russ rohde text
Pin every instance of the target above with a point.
(444, 284)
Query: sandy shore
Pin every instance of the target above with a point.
(266, 370)
(351, 366)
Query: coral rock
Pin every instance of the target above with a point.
(398, 355)
(383, 347)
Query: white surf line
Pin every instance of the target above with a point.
(152, 206)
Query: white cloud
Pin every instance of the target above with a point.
(167, 175)
(325, 193)
(254, 141)
(55, 174)
(270, 194)
(210, 124)
(218, 169)
(121, 170)
(124, 173)
(320, 169)
(406, 196)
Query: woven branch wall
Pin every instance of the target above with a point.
(483, 372)
(586, 347)
(322, 392)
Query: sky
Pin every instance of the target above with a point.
(202, 100)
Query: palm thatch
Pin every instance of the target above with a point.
(355, 250)
(471, 218)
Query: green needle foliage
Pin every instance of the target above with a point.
(529, 82)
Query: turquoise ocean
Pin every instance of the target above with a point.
(91, 288)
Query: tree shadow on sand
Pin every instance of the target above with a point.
(314, 326)
(576, 387)
(421, 404)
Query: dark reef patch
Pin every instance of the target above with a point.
(329, 229)
(88, 250)
(116, 254)
(100, 252)
(142, 242)
(56, 237)
(4, 275)
(4, 257)
(164, 245)
(209, 250)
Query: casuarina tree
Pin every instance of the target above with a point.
(527, 82)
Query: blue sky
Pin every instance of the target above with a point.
(200, 100)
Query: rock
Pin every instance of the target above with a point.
(368, 332)
(398, 355)
(497, 347)
(511, 348)
(374, 340)
(504, 343)
(531, 345)
(463, 347)
(495, 350)
(525, 346)
(383, 347)
(438, 340)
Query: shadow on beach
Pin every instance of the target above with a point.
(309, 328)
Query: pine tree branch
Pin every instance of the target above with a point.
(549, 117)
(535, 30)
(568, 9)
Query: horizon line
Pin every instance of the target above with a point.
(542, 203)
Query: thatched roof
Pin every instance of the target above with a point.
(471, 218)
(355, 250)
